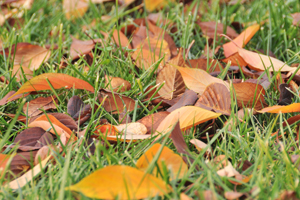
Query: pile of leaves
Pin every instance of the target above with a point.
(217, 91)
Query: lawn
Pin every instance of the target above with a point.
(119, 92)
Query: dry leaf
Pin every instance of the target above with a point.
(75, 8)
(198, 79)
(199, 145)
(296, 19)
(167, 159)
(208, 29)
(152, 121)
(188, 98)
(121, 182)
(17, 71)
(117, 84)
(134, 128)
(152, 5)
(79, 47)
(241, 40)
(295, 107)
(33, 107)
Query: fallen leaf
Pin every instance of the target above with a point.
(4, 158)
(65, 120)
(167, 159)
(113, 102)
(188, 98)
(10, 96)
(201, 63)
(294, 107)
(198, 79)
(241, 40)
(117, 84)
(233, 195)
(57, 81)
(200, 145)
(152, 121)
(115, 36)
(36, 106)
(152, 5)
(28, 55)
(75, 104)
(235, 60)
(296, 19)
(79, 47)
(286, 95)
(188, 117)
(128, 137)
(249, 94)
(216, 97)
(75, 8)
(28, 176)
(121, 182)
(208, 29)
(17, 71)
(106, 130)
(133, 128)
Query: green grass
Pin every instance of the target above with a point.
(272, 170)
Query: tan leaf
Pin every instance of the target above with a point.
(198, 79)
(117, 84)
(208, 29)
(167, 159)
(134, 128)
(121, 182)
(19, 74)
(33, 107)
(199, 145)
(79, 47)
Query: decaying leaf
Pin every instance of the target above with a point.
(122, 182)
(167, 159)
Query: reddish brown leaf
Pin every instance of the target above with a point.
(249, 94)
(79, 47)
(75, 104)
(285, 94)
(216, 97)
(34, 137)
(56, 80)
(117, 84)
(33, 107)
(113, 102)
(201, 63)
(189, 97)
(208, 29)
(152, 121)
(291, 120)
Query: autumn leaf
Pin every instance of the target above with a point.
(241, 40)
(57, 81)
(3, 162)
(33, 107)
(121, 182)
(167, 159)
(18, 72)
(198, 79)
(188, 117)
(117, 84)
(152, 121)
(152, 5)
(295, 107)
(209, 28)
(75, 8)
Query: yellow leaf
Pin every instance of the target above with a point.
(188, 117)
(198, 79)
(121, 182)
(167, 159)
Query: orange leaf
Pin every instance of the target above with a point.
(44, 123)
(152, 5)
(188, 117)
(241, 40)
(295, 107)
(3, 162)
(122, 182)
(57, 81)
(198, 79)
(167, 159)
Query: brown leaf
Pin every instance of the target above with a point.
(171, 78)
(296, 19)
(201, 63)
(22, 161)
(249, 95)
(19, 74)
(236, 60)
(113, 102)
(285, 94)
(189, 97)
(115, 36)
(75, 8)
(75, 104)
(152, 121)
(79, 47)
(208, 29)
(28, 55)
(34, 137)
(11, 94)
(216, 97)
(33, 107)
(117, 84)
(65, 120)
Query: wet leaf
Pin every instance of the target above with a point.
(241, 40)
(122, 182)
(167, 160)
(215, 97)
(198, 79)
(57, 81)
